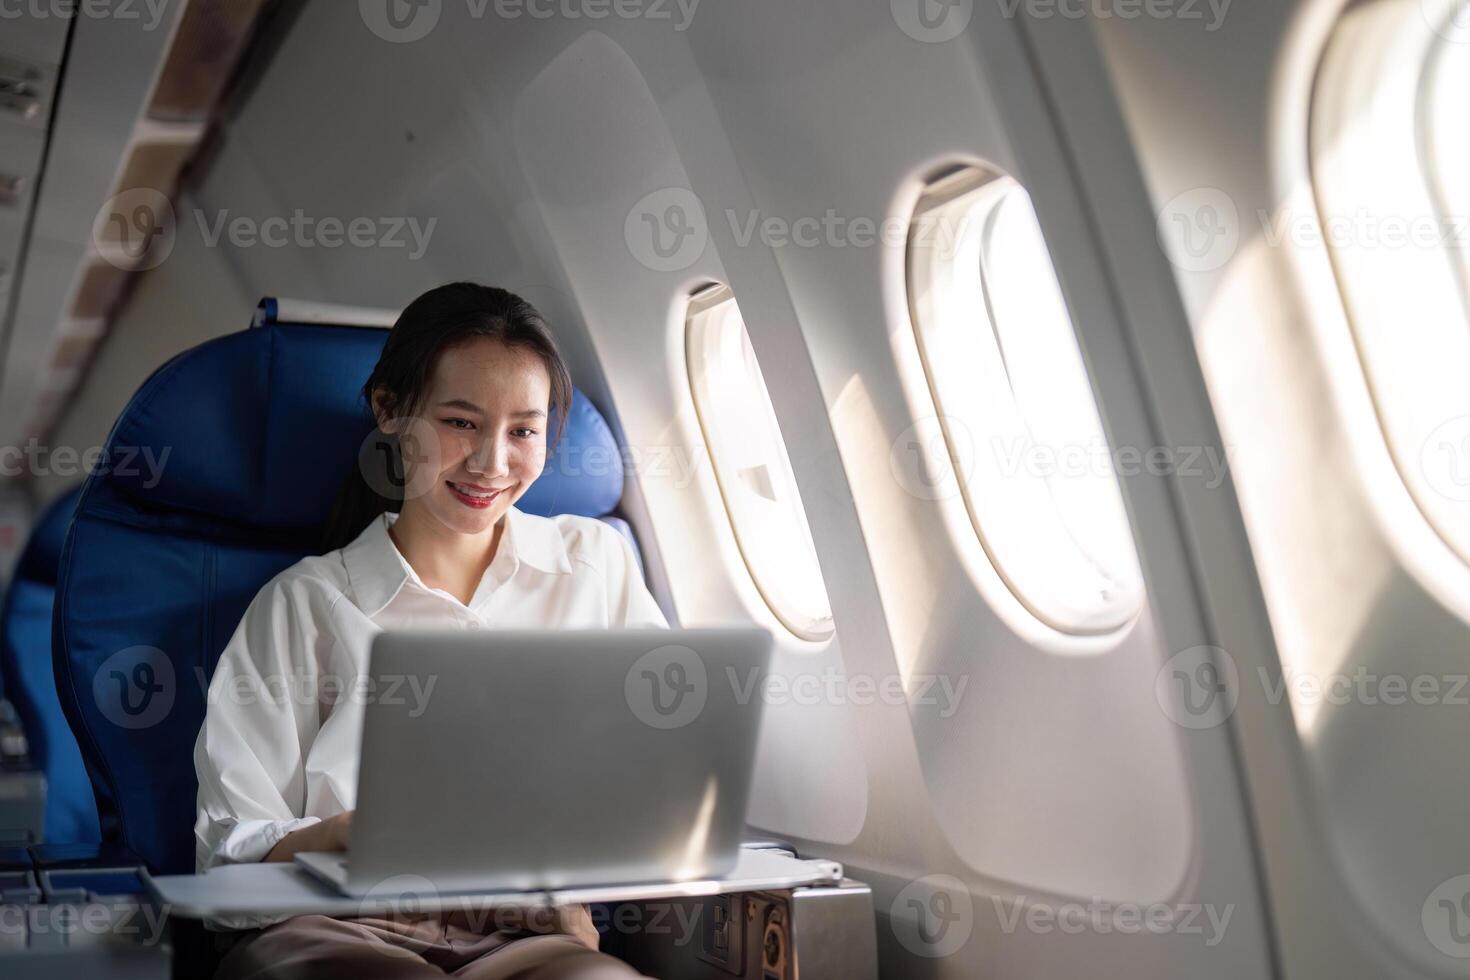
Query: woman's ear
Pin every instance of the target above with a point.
(383, 409)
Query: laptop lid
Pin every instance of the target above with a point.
(520, 760)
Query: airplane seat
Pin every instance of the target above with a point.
(260, 427)
(29, 684)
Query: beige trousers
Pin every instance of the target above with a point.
(499, 944)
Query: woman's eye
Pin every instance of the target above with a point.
(523, 433)
(460, 423)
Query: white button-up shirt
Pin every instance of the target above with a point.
(279, 746)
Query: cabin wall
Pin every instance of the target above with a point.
(194, 295)
(1360, 800)
(1030, 787)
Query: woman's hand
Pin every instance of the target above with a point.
(332, 834)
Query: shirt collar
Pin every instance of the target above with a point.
(378, 571)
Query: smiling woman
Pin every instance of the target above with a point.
(468, 381)
(458, 429)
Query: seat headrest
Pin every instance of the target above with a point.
(259, 428)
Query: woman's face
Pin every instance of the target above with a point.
(478, 441)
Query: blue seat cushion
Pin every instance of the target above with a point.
(30, 685)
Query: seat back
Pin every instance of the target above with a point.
(240, 446)
(29, 684)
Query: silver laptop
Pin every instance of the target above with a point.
(512, 761)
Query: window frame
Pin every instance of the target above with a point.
(943, 189)
(704, 300)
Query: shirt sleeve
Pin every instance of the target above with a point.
(630, 604)
(258, 725)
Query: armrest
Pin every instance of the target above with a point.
(15, 859)
(47, 857)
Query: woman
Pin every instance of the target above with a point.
(468, 381)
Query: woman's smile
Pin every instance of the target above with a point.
(474, 495)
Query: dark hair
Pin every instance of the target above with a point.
(438, 320)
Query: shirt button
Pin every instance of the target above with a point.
(475, 624)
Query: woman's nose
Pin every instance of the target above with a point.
(489, 457)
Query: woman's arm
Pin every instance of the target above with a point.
(332, 834)
(261, 719)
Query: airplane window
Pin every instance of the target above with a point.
(1389, 156)
(751, 465)
(1016, 408)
